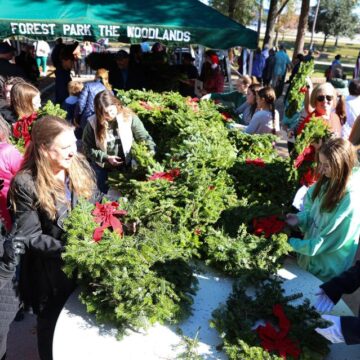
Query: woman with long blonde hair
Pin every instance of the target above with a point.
(330, 219)
(51, 179)
(85, 107)
(109, 135)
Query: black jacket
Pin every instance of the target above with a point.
(41, 279)
(346, 283)
(7, 69)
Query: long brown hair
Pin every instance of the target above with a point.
(254, 88)
(342, 158)
(21, 96)
(102, 101)
(268, 94)
(48, 189)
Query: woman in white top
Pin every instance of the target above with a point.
(266, 118)
(352, 106)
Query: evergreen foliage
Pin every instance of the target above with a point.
(235, 320)
(205, 211)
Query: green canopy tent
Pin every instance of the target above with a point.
(167, 21)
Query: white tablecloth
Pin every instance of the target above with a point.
(78, 336)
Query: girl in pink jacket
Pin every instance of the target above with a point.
(10, 161)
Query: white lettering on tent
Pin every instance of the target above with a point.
(165, 35)
(187, 36)
(109, 30)
(155, 33)
(151, 33)
(32, 28)
(77, 29)
(172, 35)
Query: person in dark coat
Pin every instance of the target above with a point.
(345, 328)
(6, 68)
(187, 68)
(63, 74)
(10, 250)
(269, 68)
(27, 62)
(52, 177)
(55, 54)
(126, 75)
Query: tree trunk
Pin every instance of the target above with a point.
(259, 20)
(276, 37)
(323, 45)
(303, 22)
(270, 23)
(336, 41)
(231, 8)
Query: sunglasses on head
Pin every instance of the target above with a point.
(321, 98)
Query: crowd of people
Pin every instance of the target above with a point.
(72, 158)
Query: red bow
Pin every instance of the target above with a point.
(269, 225)
(303, 90)
(105, 216)
(21, 129)
(168, 176)
(256, 162)
(273, 340)
(309, 178)
(307, 155)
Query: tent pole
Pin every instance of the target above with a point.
(18, 44)
(228, 69)
(200, 58)
(251, 61)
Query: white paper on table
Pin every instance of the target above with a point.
(198, 88)
(298, 201)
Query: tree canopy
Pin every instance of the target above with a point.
(335, 18)
(242, 11)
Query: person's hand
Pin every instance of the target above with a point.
(13, 248)
(323, 304)
(206, 97)
(309, 83)
(114, 160)
(333, 333)
(291, 219)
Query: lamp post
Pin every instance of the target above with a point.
(314, 24)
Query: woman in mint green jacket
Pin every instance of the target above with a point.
(330, 220)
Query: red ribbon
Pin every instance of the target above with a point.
(268, 226)
(168, 176)
(256, 162)
(21, 129)
(303, 90)
(105, 216)
(307, 155)
(273, 340)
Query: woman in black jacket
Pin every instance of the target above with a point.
(46, 188)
